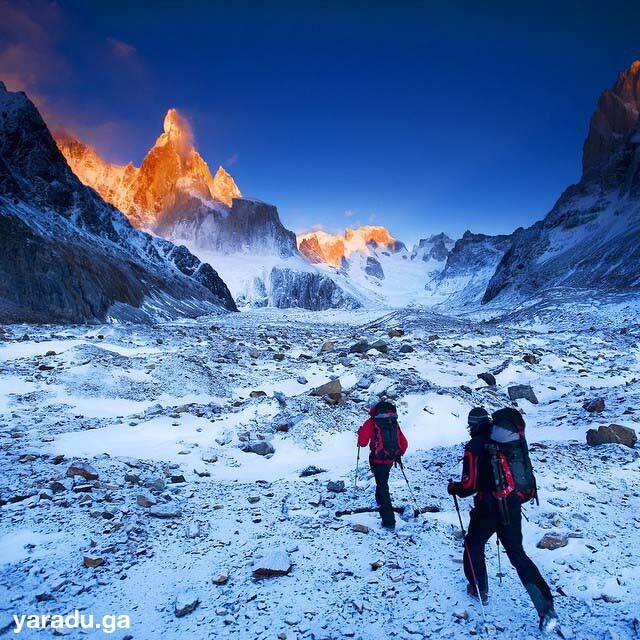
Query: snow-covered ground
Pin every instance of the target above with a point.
(162, 415)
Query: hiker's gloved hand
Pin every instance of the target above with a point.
(452, 488)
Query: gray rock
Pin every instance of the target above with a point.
(185, 603)
(146, 499)
(274, 562)
(406, 348)
(522, 392)
(489, 378)
(380, 345)
(311, 471)
(362, 346)
(259, 447)
(82, 469)
(165, 511)
(336, 486)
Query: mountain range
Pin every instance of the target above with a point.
(85, 239)
(67, 256)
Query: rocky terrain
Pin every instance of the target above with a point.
(189, 474)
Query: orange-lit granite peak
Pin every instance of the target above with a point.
(617, 113)
(224, 187)
(323, 247)
(171, 175)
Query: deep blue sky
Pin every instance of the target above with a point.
(421, 119)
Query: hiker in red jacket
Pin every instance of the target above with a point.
(387, 444)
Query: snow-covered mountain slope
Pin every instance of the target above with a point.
(469, 267)
(588, 243)
(172, 177)
(69, 256)
(271, 280)
(323, 247)
(173, 195)
(438, 271)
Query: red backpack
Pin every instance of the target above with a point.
(386, 436)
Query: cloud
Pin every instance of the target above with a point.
(232, 159)
(349, 213)
(121, 49)
(28, 57)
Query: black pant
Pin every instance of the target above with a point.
(383, 498)
(485, 521)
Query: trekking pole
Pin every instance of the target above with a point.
(500, 574)
(355, 477)
(416, 510)
(473, 571)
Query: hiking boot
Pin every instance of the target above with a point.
(471, 590)
(548, 620)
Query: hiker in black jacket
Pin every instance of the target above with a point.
(487, 519)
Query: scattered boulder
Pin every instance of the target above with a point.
(336, 486)
(278, 356)
(165, 511)
(273, 563)
(489, 378)
(155, 484)
(594, 406)
(333, 388)
(146, 499)
(82, 469)
(223, 578)
(57, 487)
(360, 528)
(93, 561)
(529, 358)
(301, 380)
(614, 433)
(395, 333)
(259, 447)
(257, 394)
(327, 346)
(522, 392)
(406, 348)
(311, 471)
(362, 346)
(553, 541)
(380, 345)
(185, 603)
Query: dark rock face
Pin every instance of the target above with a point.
(307, 290)
(589, 240)
(70, 257)
(437, 247)
(469, 267)
(249, 225)
(374, 268)
(617, 113)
